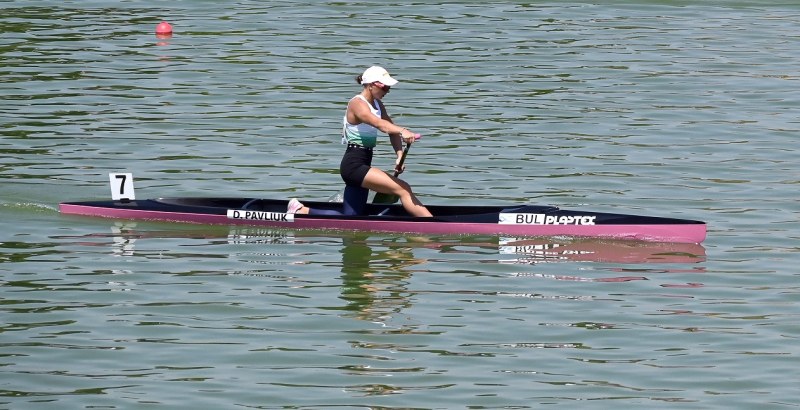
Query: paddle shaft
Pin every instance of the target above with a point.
(403, 156)
(402, 160)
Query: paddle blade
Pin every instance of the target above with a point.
(381, 198)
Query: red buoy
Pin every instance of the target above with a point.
(163, 29)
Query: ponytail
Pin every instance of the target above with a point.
(359, 78)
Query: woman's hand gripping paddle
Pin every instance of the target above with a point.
(381, 198)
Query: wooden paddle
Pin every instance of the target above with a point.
(381, 198)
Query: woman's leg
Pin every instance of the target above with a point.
(382, 182)
(297, 207)
(355, 200)
(310, 211)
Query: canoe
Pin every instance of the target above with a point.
(510, 220)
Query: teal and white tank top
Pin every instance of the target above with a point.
(362, 134)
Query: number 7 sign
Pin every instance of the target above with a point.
(121, 186)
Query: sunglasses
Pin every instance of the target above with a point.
(383, 86)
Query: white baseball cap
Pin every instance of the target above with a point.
(376, 73)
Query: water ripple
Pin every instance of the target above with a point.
(656, 107)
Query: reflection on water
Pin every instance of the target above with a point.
(357, 245)
(362, 313)
(371, 293)
(376, 269)
(582, 250)
(123, 244)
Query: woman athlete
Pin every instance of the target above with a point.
(365, 116)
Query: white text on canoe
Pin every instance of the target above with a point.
(542, 219)
(260, 216)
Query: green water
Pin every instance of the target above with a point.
(668, 108)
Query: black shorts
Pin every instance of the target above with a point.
(355, 164)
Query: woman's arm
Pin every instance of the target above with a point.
(395, 138)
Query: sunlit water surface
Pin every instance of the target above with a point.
(669, 108)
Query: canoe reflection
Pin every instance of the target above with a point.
(124, 235)
(376, 268)
(548, 250)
